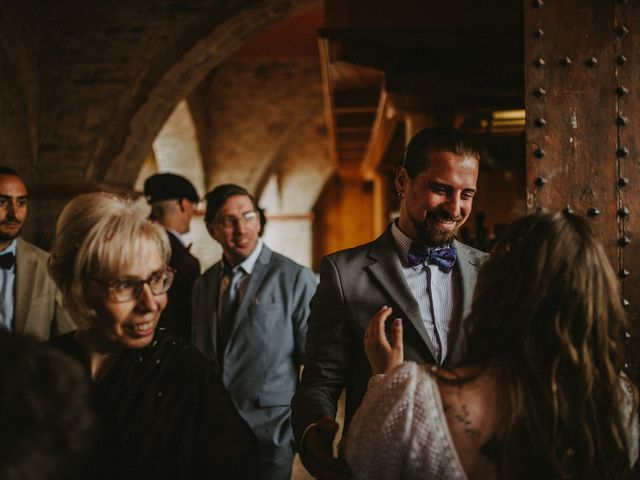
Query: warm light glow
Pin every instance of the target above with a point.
(507, 121)
(499, 115)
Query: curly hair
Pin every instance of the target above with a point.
(547, 307)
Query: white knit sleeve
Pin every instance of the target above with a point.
(629, 420)
(400, 432)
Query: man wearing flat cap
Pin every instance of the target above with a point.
(173, 200)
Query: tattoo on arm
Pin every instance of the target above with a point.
(462, 416)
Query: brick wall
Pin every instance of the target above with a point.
(87, 86)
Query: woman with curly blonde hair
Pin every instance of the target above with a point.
(542, 394)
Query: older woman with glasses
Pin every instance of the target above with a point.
(163, 410)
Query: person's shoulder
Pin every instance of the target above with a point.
(177, 247)
(473, 253)
(361, 252)
(209, 274)
(62, 339)
(283, 261)
(24, 247)
(182, 260)
(69, 346)
(178, 350)
(351, 252)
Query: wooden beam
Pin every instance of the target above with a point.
(327, 93)
(381, 133)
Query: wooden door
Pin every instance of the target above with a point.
(583, 125)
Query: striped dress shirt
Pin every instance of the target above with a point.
(436, 293)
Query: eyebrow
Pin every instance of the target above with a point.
(449, 187)
(9, 197)
(134, 277)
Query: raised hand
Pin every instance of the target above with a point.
(382, 355)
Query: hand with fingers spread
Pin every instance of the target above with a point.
(382, 355)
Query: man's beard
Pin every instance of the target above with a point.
(7, 237)
(429, 232)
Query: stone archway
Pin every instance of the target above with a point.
(120, 154)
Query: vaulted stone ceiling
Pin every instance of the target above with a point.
(87, 86)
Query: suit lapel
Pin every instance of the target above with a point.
(23, 289)
(467, 265)
(386, 268)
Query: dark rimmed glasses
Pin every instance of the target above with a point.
(130, 288)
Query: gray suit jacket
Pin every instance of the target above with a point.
(266, 344)
(354, 285)
(38, 303)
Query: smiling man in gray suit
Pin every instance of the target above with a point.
(29, 300)
(416, 267)
(250, 314)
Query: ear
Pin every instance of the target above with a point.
(401, 180)
(212, 231)
(181, 204)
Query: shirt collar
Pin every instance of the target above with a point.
(11, 248)
(248, 263)
(176, 234)
(403, 242)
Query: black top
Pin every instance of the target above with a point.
(176, 317)
(164, 413)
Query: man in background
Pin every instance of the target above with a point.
(30, 303)
(173, 201)
(250, 314)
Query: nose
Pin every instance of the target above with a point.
(240, 226)
(11, 208)
(146, 300)
(452, 206)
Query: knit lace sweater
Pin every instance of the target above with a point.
(400, 431)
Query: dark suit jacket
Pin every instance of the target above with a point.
(354, 285)
(176, 317)
(38, 303)
(266, 343)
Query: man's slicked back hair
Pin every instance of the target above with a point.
(435, 139)
(4, 170)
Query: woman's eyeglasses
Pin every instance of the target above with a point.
(126, 289)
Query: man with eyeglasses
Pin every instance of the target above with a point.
(30, 303)
(173, 200)
(250, 315)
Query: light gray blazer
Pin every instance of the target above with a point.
(266, 344)
(38, 303)
(354, 285)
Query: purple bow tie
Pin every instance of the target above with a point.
(444, 258)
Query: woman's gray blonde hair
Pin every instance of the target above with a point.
(98, 236)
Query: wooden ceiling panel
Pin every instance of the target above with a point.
(451, 59)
